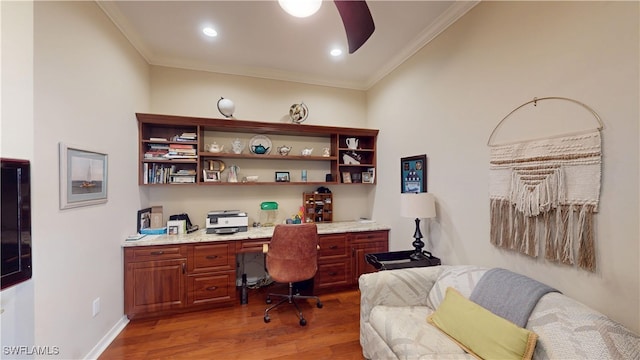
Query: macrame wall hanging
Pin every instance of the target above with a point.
(547, 191)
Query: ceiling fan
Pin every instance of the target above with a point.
(357, 20)
(355, 14)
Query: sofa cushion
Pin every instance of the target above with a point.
(404, 330)
(462, 278)
(568, 329)
(480, 331)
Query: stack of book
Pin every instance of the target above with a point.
(184, 176)
(156, 151)
(186, 136)
(181, 151)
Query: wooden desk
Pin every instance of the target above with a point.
(164, 274)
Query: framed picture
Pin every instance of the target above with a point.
(211, 175)
(143, 220)
(346, 177)
(413, 174)
(367, 177)
(83, 177)
(282, 176)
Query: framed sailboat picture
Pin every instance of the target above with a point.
(83, 177)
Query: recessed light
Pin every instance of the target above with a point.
(210, 32)
(335, 52)
(300, 8)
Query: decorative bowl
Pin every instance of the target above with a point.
(252, 178)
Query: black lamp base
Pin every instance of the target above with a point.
(418, 244)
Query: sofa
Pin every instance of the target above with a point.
(395, 305)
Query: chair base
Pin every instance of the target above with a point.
(291, 299)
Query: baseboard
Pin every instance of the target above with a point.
(107, 339)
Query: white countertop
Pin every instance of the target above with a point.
(252, 233)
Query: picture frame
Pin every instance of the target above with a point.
(83, 177)
(211, 175)
(282, 176)
(346, 177)
(367, 177)
(143, 220)
(413, 174)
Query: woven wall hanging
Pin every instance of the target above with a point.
(547, 191)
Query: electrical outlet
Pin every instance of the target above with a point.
(96, 306)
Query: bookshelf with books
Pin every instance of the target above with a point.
(175, 150)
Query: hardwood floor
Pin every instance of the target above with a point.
(239, 332)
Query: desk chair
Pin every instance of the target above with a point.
(292, 256)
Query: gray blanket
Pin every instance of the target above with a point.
(509, 295)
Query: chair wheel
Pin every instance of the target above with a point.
(267, 319)
(268, 301)
(319, 305)
(303, 322)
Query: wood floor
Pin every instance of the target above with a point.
(239, 332)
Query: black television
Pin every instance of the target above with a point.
(15, 215)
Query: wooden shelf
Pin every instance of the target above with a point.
(330, 137)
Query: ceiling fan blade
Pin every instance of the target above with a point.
(357, 21)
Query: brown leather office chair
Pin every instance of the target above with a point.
(292, 256)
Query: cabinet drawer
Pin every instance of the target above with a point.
(332, 274)
(146, 253)
(370, 236)
(211, 257)
(210, 288)
(332, 246)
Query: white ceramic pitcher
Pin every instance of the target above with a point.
(352, 143)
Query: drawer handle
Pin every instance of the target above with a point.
(211, 257)
(160, 252)
(333, 273)
(333, 247)
(212, 288)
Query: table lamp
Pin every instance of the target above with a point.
(417, 205)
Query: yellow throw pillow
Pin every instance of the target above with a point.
(481, 332)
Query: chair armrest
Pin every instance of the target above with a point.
(401, 287)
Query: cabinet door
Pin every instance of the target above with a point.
(152, 286)
(367, 243)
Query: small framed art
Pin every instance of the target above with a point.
(367, 177)
(282, 176)
(413, 174)
(83, 177)
(346, 177)
(211, 175)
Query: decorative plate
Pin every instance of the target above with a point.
(260, 145)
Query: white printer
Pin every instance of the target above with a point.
(226, 221)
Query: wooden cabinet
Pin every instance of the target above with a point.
(165, 279)
(168, 278)
(318, 207)
(175, 150)
(367, 243)
(154, 279)
(342, 260)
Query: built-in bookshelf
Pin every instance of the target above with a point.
(174, 150)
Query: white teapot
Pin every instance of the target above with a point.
(307, 151)
(284, 150)
(352, 143)
(214, 148)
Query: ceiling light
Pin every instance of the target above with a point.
(335, 52)
(210, 32)
(300, 8)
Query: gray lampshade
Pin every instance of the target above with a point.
(418, 205)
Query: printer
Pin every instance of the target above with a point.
(226, 221)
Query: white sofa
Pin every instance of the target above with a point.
(395, 304)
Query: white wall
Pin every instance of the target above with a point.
(450, 96)
(16, 141)
(195, 93)
(89, 82)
